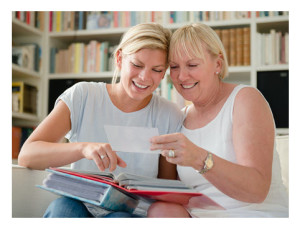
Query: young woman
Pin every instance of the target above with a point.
(82, 111)
(226, 146)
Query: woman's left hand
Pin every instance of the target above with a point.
(186, 153)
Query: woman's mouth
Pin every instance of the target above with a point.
(189, 86)
(140, 85)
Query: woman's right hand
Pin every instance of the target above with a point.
(103, 156)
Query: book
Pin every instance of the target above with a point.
(16, 141)
(87, 190)
(246, 46)
(239, 46)
(272, 48)
(123, 192)
(26, 132)
(233, 47)
(225, 38)
(24, 98)
(19, 136)
(27, 56)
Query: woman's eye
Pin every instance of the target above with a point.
(173, 67)
(156, 70)
(136, 65)
(193, 65)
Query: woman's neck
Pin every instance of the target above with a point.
(213, 98)
(122, 101)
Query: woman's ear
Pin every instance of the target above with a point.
(219, 63)
(119, 59)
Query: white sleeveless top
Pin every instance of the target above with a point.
(216, 137)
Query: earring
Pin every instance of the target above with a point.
(217, 73)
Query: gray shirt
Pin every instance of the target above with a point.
(91, 109)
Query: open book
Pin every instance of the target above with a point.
(122, 192)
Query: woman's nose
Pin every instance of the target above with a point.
(183, 74)
(144, 74)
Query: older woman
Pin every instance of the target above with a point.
(226, 146)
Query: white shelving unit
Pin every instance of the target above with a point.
(23, 33)
(237, 74)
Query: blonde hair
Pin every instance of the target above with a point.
(145, 35)
(193, 39)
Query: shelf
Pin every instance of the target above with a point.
(25, 116)
(282, 131)
(228, 23)
(22, 29)
(278, 23)
(14, 162)
(18, 71)
(91, 75)
(61, 40)
(278, 67)
(237, 69)
(112, 34)
(215, 24)
(276, 19)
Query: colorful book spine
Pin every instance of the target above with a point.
(16, 141)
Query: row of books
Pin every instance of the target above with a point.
(236, 42)
(79, 58)
(27, 56)
(91, 20)
(87, 20)
(80, 20)
(19, 136)
(231, 15)
(97, 56)
(35, 19)
(272, 48)
(271, 13)
(24, 98)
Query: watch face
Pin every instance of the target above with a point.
(209, 164)
(209, 161)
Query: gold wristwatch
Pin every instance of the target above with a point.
(208, 163)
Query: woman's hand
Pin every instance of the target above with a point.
(103, 156)
(186, 152)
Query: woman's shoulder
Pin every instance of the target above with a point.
(84, 85)
(84, 88)
(249, 98)
(165, 109)
(163, 103)
(246, 92)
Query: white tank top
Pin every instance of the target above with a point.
(216, 137)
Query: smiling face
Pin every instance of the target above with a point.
(142, 72)
(194, 77)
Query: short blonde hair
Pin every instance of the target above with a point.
(145, 35)
(193, 38)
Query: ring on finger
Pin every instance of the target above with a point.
(171, 153)
(102, 157)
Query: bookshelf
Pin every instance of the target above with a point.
(257, 22)
(24, 33)
(28, 71)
